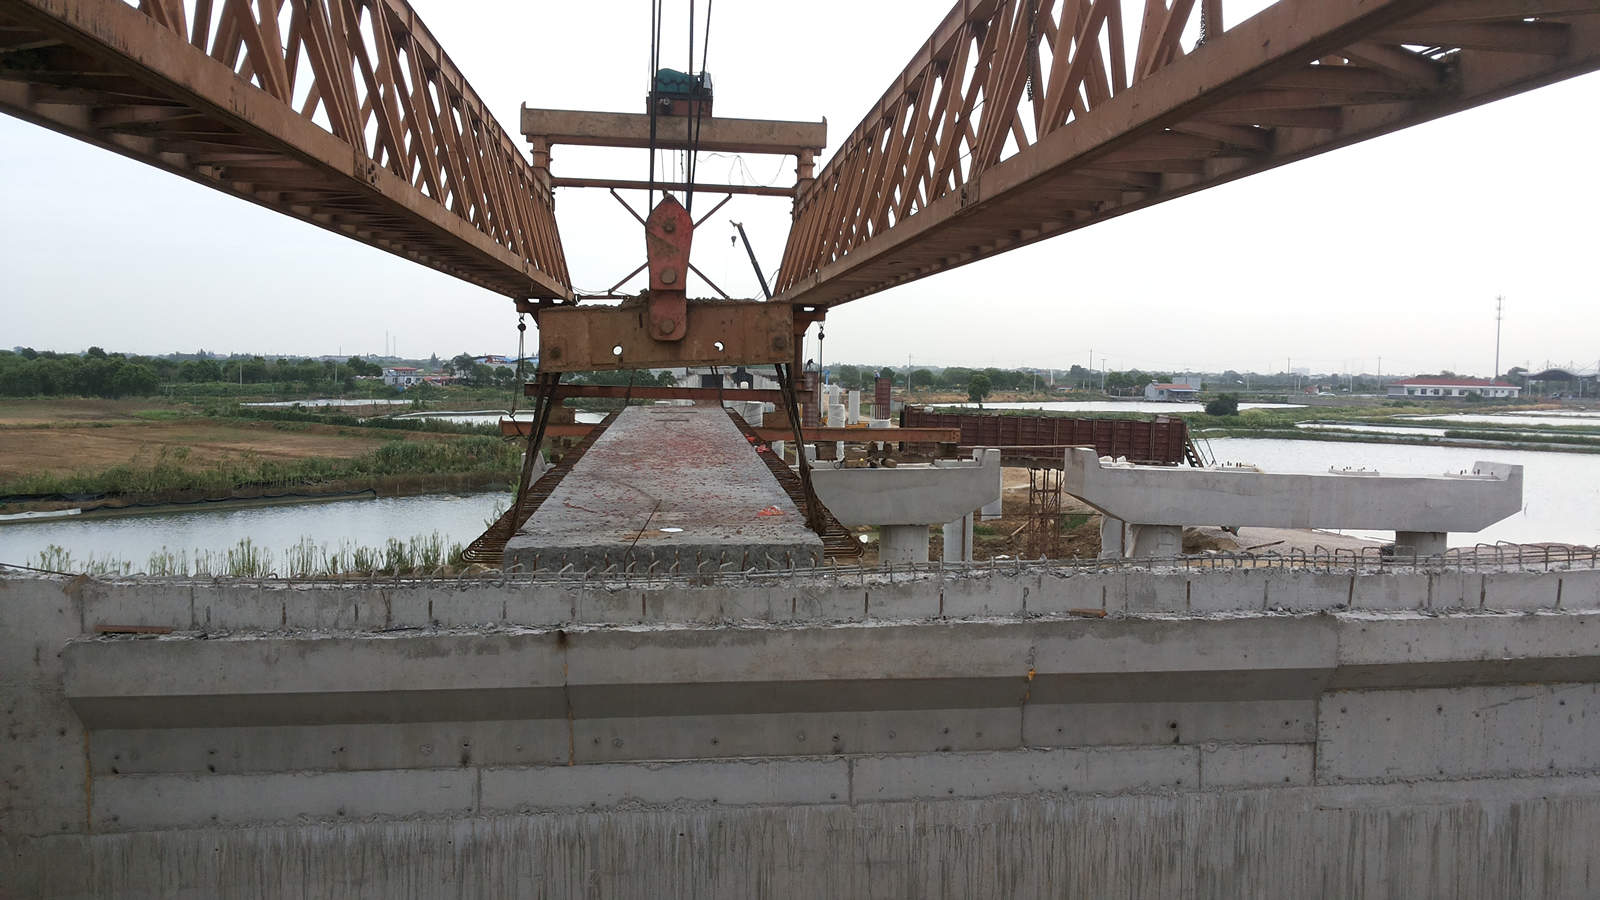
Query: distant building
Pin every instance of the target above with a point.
(401, 377)
(1154, 391)
(1441, 388)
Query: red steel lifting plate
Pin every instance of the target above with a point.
(667, 235)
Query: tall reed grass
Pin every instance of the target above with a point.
(423, 554)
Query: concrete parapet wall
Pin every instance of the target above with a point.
(805, 598)
(1253, 733)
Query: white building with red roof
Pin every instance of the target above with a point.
(401, 377)
(1444, 388)
(1175, 391)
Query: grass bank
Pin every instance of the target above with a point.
(172, 471)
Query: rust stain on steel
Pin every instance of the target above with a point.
(513, 427)
(652, 392)
(411, 161)
(607, 338)
(1162, 441)
(668, 235)
(978, 147)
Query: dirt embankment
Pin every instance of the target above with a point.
(41, 440)
(65, 448)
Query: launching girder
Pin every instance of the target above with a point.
(1023, 119)
(343, 113)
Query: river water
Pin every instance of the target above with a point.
(1561, 497)
(355, 523)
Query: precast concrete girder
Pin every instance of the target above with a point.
(904, 501)
(1157, 501)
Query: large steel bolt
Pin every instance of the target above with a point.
(668, 276)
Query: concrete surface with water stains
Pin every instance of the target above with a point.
(670, 488)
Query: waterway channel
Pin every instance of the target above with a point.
(457, 518)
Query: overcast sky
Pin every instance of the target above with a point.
(1395, 248)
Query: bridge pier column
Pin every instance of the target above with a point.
(1157, 540)
(958, 539)
(902, 544)
(1422, 543)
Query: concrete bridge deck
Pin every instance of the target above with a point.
(1262, 732)
(671, 489)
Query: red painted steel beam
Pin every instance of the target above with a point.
(642, 392)
(623, 184)
(521, 427)
(383, 141)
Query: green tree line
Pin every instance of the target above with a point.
(96, 373)
(958, 378)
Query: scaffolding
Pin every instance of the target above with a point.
(1042, 535)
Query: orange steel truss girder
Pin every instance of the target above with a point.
(1019, 120)
(343, 113)
(718, 332)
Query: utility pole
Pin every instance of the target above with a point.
(1499, 313)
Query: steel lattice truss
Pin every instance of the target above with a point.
(1022, 119)
(343, 113)
(1017, 120)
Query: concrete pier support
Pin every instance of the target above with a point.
(902, 544)
(1421, 543)
(1146, 507)
(1157, 540)
(852, 408)
(1113, 538)
(958, 539)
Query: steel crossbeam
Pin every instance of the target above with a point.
(343, 113)
(1019, 120)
